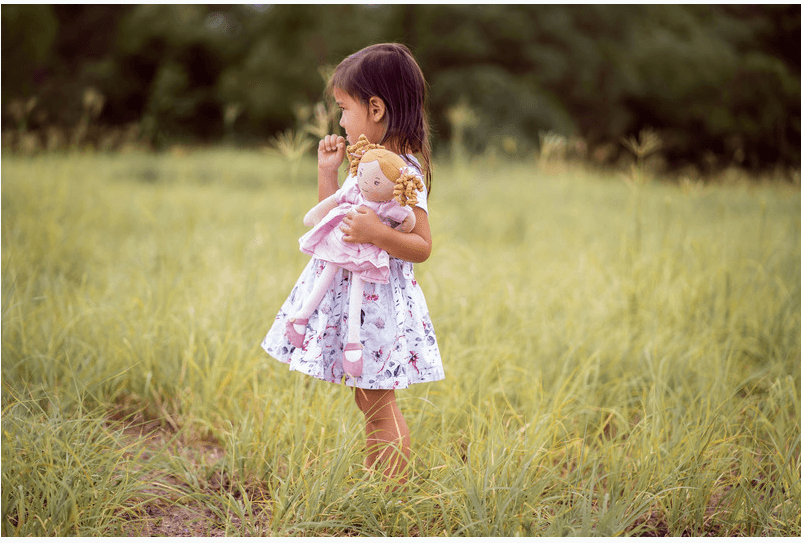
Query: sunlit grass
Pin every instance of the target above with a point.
(621, 358)
(64, 474)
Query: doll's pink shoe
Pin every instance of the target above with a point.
(352, 368)
(295, 337)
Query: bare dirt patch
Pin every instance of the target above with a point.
(176, 503)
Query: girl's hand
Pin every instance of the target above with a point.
(331, 152)
(361, 225)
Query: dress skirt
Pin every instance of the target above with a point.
(399, 344)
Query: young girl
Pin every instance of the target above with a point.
(381, 93)
(385, 184)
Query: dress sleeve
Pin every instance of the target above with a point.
(422, 199)
(422, 195)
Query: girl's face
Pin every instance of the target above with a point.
(373, 184)
(357, 119)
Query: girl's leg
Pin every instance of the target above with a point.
(315, 297)
(388, 441)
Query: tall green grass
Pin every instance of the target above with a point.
(621, 358)
(64, 474)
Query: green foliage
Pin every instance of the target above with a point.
(714, 81)
(604, 72)
(505, 106)
(29, 32)
(704, 70)
(264, 60)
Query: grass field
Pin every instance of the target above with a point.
(621, 358)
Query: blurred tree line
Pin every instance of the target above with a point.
(718, 83)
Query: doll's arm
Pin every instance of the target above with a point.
(319, 211)
(409, 222)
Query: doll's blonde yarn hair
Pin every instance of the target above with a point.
(357, 150)
(407, 182)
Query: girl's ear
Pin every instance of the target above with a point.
(377, 109)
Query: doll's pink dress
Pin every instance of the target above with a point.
(400, 346)
(325, 242)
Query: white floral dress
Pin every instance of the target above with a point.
(400, 347)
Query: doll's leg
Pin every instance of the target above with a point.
(296, 327)
(352, 359)
(355, 308)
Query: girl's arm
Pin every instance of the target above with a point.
(363, 225)
(330, 154)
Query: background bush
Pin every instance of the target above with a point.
(721, 83)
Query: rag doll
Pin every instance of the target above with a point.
(385, 184)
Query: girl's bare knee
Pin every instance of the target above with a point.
(371, 402)
(359, 397)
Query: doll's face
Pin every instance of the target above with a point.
(373, 184)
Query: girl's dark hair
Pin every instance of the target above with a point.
(389, 71)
